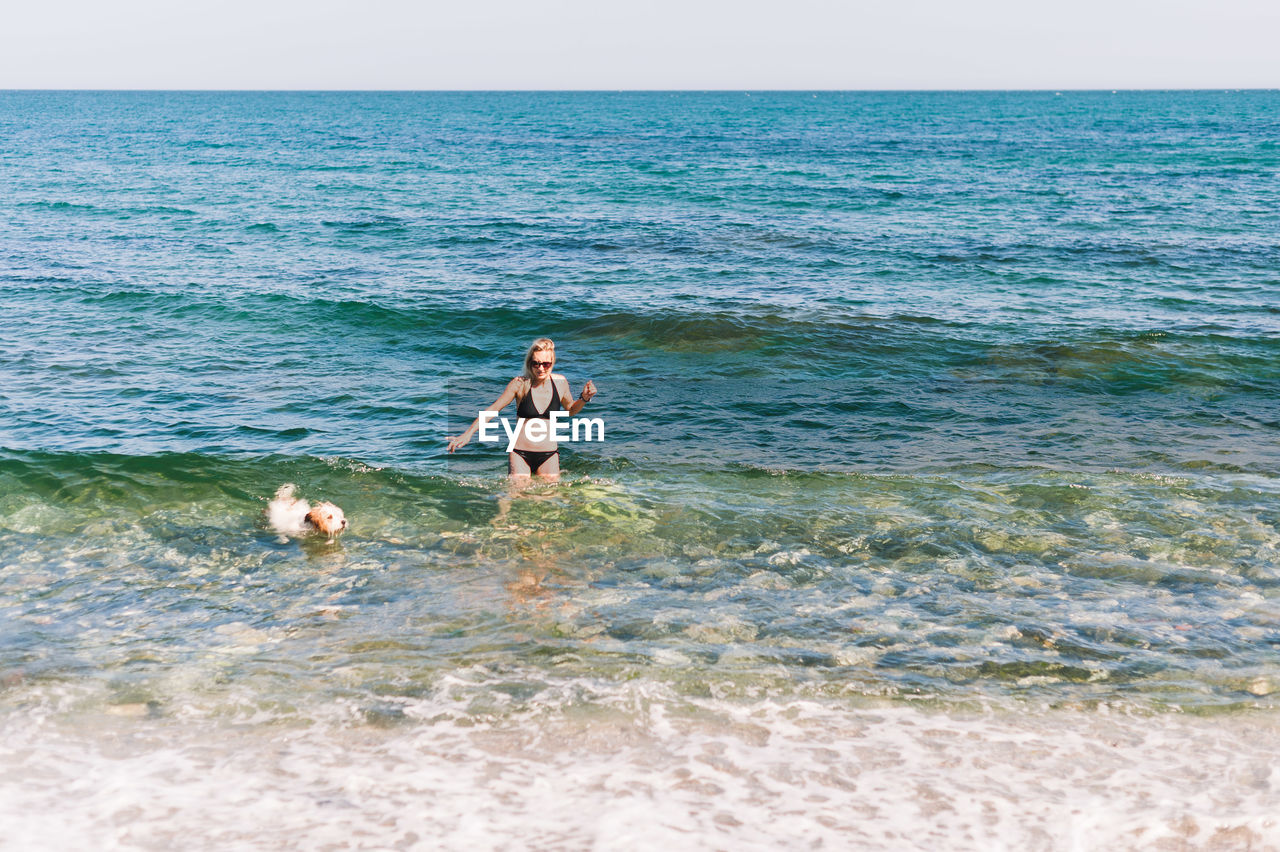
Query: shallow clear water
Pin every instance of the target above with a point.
(937, 500)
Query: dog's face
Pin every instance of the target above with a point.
(327, 518)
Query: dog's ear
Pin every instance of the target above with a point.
(313, 518)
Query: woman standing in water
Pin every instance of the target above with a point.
(539, 392)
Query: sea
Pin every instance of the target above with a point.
(934, 504)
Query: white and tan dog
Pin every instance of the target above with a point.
(292, 516)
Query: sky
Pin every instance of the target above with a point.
(655, 44)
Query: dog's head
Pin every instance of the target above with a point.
(327, 518)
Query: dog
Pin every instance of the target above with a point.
(292, 516)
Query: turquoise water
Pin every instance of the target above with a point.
(944, 413)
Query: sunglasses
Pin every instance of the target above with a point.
(542, 365)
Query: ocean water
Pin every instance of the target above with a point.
(937, 505)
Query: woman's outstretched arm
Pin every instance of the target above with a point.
(498, 404)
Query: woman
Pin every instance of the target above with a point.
(538, 392)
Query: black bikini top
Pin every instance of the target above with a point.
(529, 411)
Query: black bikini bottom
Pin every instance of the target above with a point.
(535, 458)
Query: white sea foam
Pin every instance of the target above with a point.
(635, 767)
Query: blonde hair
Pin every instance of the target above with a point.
(542, 344)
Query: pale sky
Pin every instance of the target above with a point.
(659, 44)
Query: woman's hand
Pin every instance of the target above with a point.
(459, 441)
(588, 391)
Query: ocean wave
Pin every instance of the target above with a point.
(974, 584)
(676, 327)
(380, 225)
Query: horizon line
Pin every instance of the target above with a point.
(747, 91)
